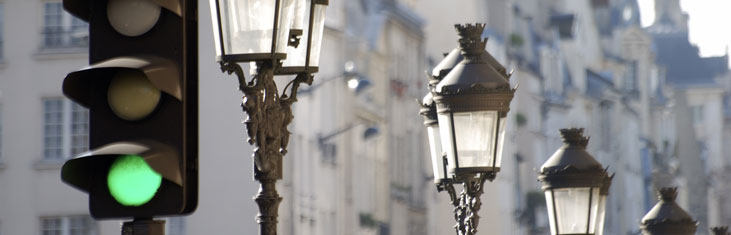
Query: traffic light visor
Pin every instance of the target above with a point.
(160, 158)
(81, 9)
(162, 73)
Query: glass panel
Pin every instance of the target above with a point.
(301, 8)
(286, 15)
(500, 141)
(551, 215)
(475, 133)
(601, 212)
(572, 209)
(435, 144)
(248, 25)
(296, 56)
(445, 133)
(318, 26)
(52, 128)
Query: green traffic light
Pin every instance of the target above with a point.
(131, 181)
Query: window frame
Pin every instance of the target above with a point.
(66, 32)
(61, 136)
(66, 225)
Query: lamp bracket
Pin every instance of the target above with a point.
(269, 114)
(467, 205)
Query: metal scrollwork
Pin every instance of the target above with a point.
(468, 203)
(269, 114)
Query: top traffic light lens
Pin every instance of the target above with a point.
(131, 181)
(132, 96)
(132, 17)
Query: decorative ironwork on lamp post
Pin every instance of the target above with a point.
(576, 186)
(260, 31)
(465, 114)
(666, 217)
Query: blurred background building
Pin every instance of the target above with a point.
(658, 114)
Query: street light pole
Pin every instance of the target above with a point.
(277, 37)
(269, 114)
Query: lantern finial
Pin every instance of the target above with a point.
(574, 137)
(720, 230)
(667, 194)
(470, 40)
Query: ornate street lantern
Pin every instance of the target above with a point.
(465, 115)
(666, 217)
(303, 56)
(472, 101)
(572, 181)
(251, 30)
(259, 31)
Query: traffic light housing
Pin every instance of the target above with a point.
(141, 89)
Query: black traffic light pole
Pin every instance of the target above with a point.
(144, 226)
(269, 114)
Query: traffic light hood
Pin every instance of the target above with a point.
(160, 157)
(162, 73)
(82, 8)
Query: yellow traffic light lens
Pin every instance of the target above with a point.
(131, 96)
(132, 17)
(131, 181)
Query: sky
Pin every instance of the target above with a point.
(708, 23)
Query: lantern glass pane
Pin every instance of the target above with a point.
(500, 141)
(446, 135)
(318, 27)
(300, 10)
(576, 209)
(601, 212)
(248, 25)
(475, 134)
(296, 56)
(551, 215)
(435, 144)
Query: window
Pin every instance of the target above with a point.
(697, 111)
(68, 225)
(2, 9)
(175, 226)
(61, 30)
(630, 81)
(65, 129)
(1, 131)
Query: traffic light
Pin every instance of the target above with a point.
(141, 89)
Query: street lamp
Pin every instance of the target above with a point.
(666, 217)
(259, 31)
(465, 117)
(572, 181)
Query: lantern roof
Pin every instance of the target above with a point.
(571, 165)
(666, 214)
(477, 69)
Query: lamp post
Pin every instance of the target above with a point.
(573, 182)
(465, 115)
(260, 31)
(666, 217)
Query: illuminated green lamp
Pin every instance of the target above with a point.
(131, 181)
